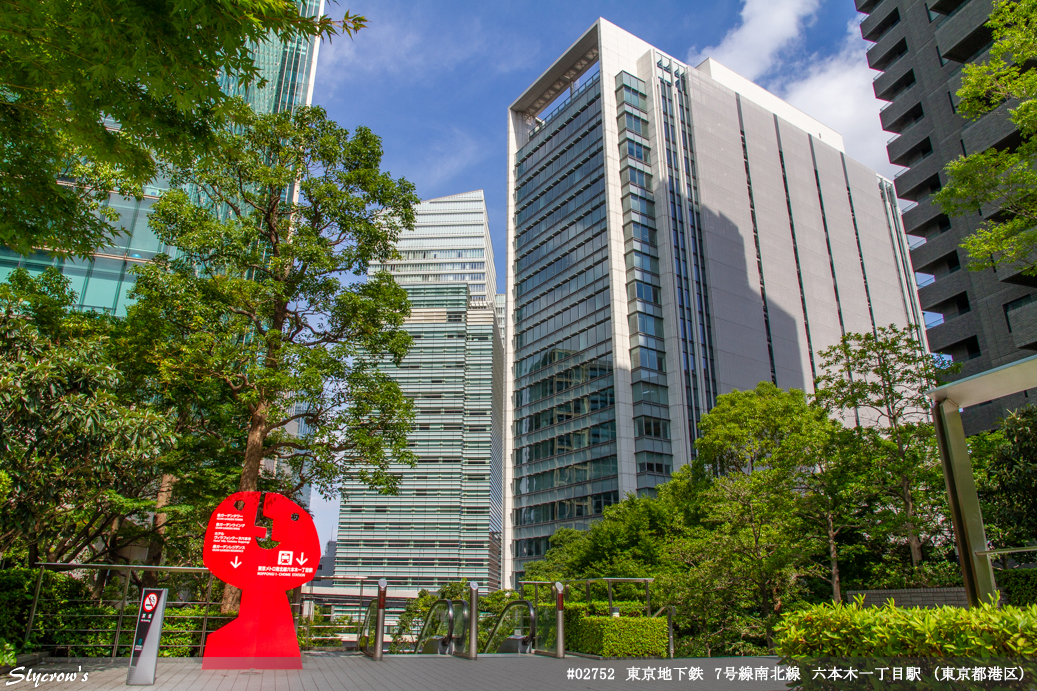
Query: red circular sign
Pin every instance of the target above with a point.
(150, 601)
(263, 636)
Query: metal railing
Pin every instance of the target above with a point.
(573, 95)
(526, 643)
(90, 625)
(609, 582)
(426, 634)
(613, 611)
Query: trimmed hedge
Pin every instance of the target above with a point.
(850, 630)
(1018, 586)
(619, 637)
(599, 608)
(638, 639)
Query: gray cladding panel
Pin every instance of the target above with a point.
(887, 297)
(738, 329)
(822, 309)
(852, 296)
(785, 310)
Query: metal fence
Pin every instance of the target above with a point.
(103, 626)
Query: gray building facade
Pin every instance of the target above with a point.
(443, 524)
(674, 233)
(980, 319)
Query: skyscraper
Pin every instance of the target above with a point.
(438, 528)
(674, 233)
(102, 282)
(980, 319)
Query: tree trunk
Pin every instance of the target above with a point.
(257, 432)
(913, 542)
(833, 558)
(231, 599)
(149, 579)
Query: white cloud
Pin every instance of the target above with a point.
(767, 28)
(408, 46)
(836, 90)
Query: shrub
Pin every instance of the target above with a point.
(850, 630)
(7, 658)
(58, 595)
(1018, 586)
(618, 637)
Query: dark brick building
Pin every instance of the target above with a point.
(981, 319)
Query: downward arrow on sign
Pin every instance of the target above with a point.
(235, 563)
(301, 559)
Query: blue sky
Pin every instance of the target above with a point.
(434, 79)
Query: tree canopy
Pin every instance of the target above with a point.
(79, 449)
(259, 299)
(1001, 184)
(92, 91)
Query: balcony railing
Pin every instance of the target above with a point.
(903, 131)
(564, 104)
(897, 97)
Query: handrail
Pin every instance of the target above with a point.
(61, 566)
(428, 620)
(363, 638)
(460, 625)
(531, 636)
(593, 580)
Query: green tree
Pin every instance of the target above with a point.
(880, 380)
(91, 92)
(564, 560)
(1012, 475)
(285, 208)
(832, 485)
(743, 566)
(745, 428)
(1005, 179)
(79, 448)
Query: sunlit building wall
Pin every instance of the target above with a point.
(675, 233)
(438, 528)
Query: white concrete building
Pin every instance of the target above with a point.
(675, 232)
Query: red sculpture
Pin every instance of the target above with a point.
(263, 635)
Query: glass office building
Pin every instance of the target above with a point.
(675, 233)
(103, 282)
(438, 528)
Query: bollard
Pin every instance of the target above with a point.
(379, 634)
(560, 618)
(473, 621)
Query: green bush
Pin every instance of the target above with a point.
(850, 630)
(1018, 586)
(618, 637)
(59, 594)
(7, 658)
(600, 608)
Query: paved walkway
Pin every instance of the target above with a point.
(331, 671)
